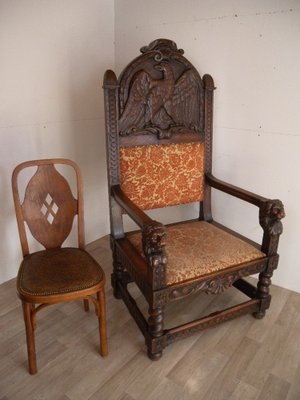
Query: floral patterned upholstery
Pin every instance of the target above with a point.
(156, 176)
(198, 248)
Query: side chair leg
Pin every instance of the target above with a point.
(27, 308)
(86, 305)
(102, 323)
(156, 330)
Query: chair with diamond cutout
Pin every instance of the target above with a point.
(159, 152)
(56, 274)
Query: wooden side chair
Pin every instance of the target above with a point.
(55, 274)
(159, 122)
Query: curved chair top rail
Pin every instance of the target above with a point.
(48, 207)
(160, 95)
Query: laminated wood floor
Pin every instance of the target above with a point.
(244, 359)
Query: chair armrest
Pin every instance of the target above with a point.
(134, 212)
(270, 211)
(153, 237)
(235, 191)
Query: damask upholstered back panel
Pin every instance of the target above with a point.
(155, 176)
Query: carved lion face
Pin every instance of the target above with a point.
(270, 215)
(155, 234)
(158, 237)
(277, 210)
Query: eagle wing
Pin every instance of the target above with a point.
(133, 116)
(185, 102)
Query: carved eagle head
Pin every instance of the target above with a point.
(166, 69)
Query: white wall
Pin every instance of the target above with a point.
(251, 48)
(53, 56)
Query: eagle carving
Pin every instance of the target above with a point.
(162, 106)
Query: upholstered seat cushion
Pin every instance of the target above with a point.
(198, 248)
(58, 271)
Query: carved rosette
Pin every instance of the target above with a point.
(153, 240)
(221, 283)
(211, 286)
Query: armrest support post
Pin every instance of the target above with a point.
(134, 212)
(235, 191)
(270, 212)
(154, 242)
(153, 237)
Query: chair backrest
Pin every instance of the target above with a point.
(159, 124)
(48, 207)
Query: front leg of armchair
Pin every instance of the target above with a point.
(154, 242)
(153, 237)
(118, 270)
(270, 214)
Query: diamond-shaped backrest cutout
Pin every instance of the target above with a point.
(49, 208)
(48, 199)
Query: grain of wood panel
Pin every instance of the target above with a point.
(259, 331)
(113, 388)
(127, 397)
(288, 357)
(294, 392)
(195, 367)
(170, 390)
(245, 392)
(227, 380)
(264, 357)
(274, 389)
(290, 315)
(151, 376)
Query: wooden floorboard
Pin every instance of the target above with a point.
(244, 358)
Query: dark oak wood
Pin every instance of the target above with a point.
(160, 99)
(235, 191)
(55, 274)
(138, 216)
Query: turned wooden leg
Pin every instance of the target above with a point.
(156, 330)
(102, 323)
(115, 277)
(27, 307)
(86, 305)
(263, 293)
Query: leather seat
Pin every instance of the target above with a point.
(58, 271)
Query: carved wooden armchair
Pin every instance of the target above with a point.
(159, 147)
